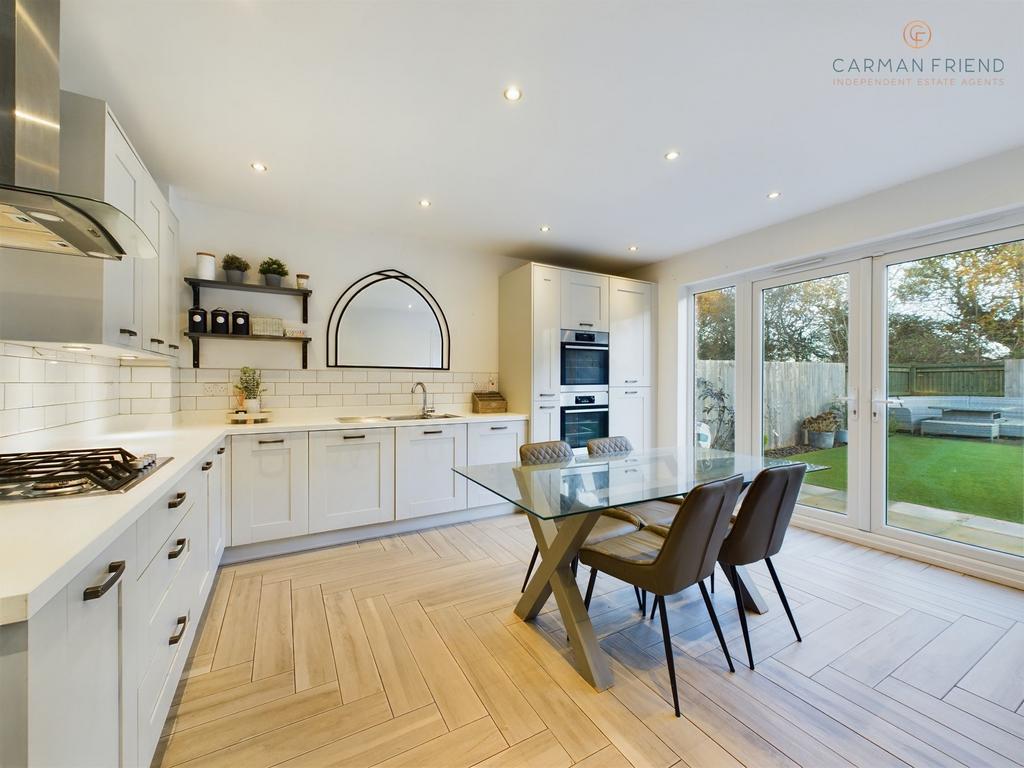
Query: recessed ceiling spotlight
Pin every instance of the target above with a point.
(774, 195)
(513, 93)
(633, 249)
(44, 216)
(76, 347)
(545, 228)
(672, 155)
(259, 167)
(424, 203)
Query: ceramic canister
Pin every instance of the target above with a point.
(240, 323)
(206, 265)
(220, 321)
(197, 320)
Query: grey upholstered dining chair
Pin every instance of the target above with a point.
(758, 533)
(668, 561)
(613, 522)
(657, 512)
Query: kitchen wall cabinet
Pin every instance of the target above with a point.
(630, 314)
(630, 414)
(424, 457)
(269, 486)
(351, 478)
(584, 301)
(491, 443)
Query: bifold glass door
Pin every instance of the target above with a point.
(948, 395)
(807, 370)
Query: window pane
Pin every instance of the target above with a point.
(954, 457)
(714, 410)
(805, 366)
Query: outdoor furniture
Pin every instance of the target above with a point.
(679, 557)
(964, 421)
(564, 502)
(758, 533)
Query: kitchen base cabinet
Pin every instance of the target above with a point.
(545, 422)
(492, 443)
(630, 414)
(67, 676)
(424, 458)
(351, 478)
(217, 509)
(269, 486)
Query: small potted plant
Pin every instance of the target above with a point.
(250, 385)
(273, 270)
(839, 409)
(821, 429)
(234, 268)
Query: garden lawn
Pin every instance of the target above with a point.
(972, 476)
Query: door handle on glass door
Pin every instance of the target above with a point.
(878, 404)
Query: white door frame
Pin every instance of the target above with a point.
(879, 388)
(858, 323)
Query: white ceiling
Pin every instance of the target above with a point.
(362, 108)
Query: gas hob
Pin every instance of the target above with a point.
(89, 471)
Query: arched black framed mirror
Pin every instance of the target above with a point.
(388, 319)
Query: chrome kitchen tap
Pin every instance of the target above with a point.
(427, 410)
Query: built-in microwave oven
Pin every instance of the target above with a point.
(584, 417)
(584, 360)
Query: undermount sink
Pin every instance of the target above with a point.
(402, 417)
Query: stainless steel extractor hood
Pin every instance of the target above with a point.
(34, 215)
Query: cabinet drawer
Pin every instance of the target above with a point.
(164, 516)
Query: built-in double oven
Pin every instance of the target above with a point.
(584, 386)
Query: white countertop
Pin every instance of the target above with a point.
(46, 543)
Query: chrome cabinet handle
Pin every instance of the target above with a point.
(176, 637)
(220, 451)
(497, 428)
(207, 466)
(631, 392)
(433, 431)
(172, 346)
(127, 332)
(546, 394)
(178, 500)
(632, 381)
(352, 437)
(587, 325)
(270, 442)
(156, 341)
(174, 554)
(115, 569)
(545, 407)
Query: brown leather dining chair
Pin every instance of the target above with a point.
(758, 532)
(613, 522)
(668, 561)
(658, 512)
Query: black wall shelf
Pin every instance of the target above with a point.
(197, 283)
(195, 337)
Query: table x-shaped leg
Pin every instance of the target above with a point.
(559, 542)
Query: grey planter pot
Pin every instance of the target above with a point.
(273, 281)
(842, 436)
(234, 275)
(822, 439)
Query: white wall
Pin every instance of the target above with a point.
(990, 184)
(465, 284)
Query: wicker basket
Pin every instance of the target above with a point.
(267, 326)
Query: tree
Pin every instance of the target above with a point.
(973, 300)
(807, 321)
(715, 324)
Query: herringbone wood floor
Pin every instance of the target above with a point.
(404, 651)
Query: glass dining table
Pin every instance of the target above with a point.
(564, 502)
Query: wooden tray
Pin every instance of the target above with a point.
(489, 402)
(247, 418)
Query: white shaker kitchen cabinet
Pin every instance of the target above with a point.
(151, 218)
(492, 443)
(269, 486)
(80, 673)
(170, 285)
(630, 414)
(424, 458)
(351, 478)
(547, 333)
(217, 511)
(545, 422)
(630, 323)
(584, 301)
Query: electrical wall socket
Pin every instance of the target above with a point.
(214, 389)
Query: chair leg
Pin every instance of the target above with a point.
(717, 626)
(782, 597)
(668, 652)
(654, 609)
(639, 602)
(590, 588)
(643, 601)
(712, 581)
(738, 589)
(575, 565)
(529, 568)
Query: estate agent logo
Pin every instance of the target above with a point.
(945, 68)
(917, 34)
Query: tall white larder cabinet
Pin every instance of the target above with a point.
(537, 302)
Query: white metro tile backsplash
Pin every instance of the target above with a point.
(212, 388)
(42, 388)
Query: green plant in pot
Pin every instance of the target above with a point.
(234, 268)
(250, 386)
(273, 270)
(821, 429)
(840, 408)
